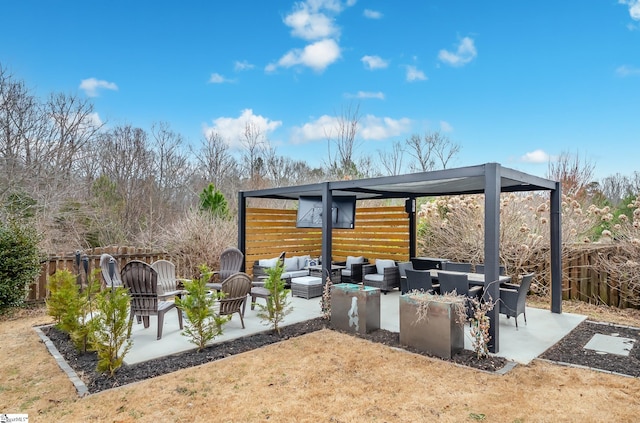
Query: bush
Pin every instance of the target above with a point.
(203, 324)
(19, 262)
(112, 336)
(277, 304)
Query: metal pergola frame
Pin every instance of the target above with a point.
(489, 179)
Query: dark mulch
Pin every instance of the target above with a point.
(571, 349)
(85, 364)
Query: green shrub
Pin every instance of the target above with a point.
(19, 262)
(203, 324)
(112, 335)
(277, 306)
(72, 308)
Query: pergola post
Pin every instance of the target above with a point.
(410, 208)
(242, 226)
(492, 249)
(556, 249)
(327, 230)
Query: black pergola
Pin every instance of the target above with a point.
(489, 179)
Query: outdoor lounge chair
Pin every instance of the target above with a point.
(384, 274)
(167, 281)
(352, 273)
(402, 268)
(513, 298)
(142, 282)
(110, 280)
(235, 288)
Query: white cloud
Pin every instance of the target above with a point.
(366, 94)
(464, 54)
(536, 156)
(626, 70)
(317, 56)
(634, 8)
(308, 23)
(231, 129)
(369, 128)
(445, 126)
(242, 66)
(216, 78)
(414, 74)
(91, 86)
(376, 128)
(372, 14)
(374, 62)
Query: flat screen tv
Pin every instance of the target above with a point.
(343, 212)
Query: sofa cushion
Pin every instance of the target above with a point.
(374, 277)
(268, 262)
(291, 264)
(346, 272)
(352, 260)
(382, 264)
(295, 274)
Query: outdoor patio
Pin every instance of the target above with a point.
(543, 329)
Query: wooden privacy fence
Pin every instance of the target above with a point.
(379, 232)
(122, 255)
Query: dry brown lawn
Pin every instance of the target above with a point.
(320, 377)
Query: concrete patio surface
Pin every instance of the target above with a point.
(543, 330)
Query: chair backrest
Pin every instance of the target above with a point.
(453, 281)
(230, 262)
(404, 266)
(480, 269)
(525, 284)
(104, 266)
(142, 282)
(419, 280)
(456, 267)
(166, 275)
(236, 288)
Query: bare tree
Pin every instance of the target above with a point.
(574, 174)
(172, 168)
(343, 137)
(392, 161)
(255, 145)
(433, 151)
(214, 160)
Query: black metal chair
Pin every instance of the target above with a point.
(513, 298)
(480, 269)
(420, 280)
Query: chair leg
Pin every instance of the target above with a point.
(145, 321)
(516, 318)
(253, 302)
(180, 317)
(241, 319)
(160, 324)
(524, 313)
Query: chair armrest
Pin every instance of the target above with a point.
(508, 285)
(356, 272)
(340, 263)
(368, 269)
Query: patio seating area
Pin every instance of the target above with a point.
(543, 329)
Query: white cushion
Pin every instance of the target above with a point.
(351, 260)
(295, 274)
(374, 277)
(382, 264)
(303, 261)
(306, 280)
(268, 262)
(346, 272)
(291, 264)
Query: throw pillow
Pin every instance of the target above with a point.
(291, 264)
(352, 260)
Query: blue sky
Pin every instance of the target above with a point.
(511, 81)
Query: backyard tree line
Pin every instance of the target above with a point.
(83, 183)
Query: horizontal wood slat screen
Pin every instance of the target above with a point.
(379, 232)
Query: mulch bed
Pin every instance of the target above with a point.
(571, 349)
(85, 364)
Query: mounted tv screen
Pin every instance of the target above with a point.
(343, 212)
